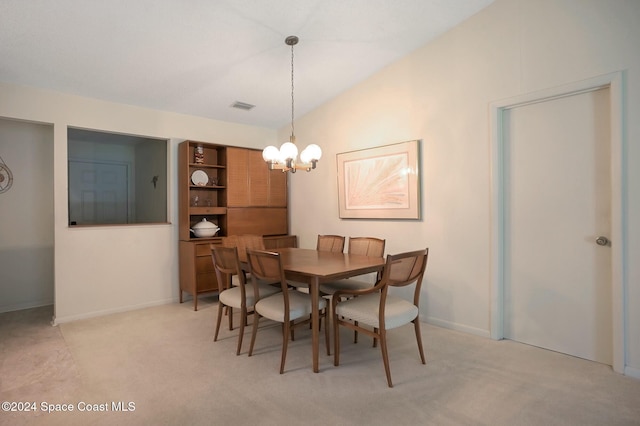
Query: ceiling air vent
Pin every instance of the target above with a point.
(242, 105)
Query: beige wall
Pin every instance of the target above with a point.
(441, 95)
(109, 269)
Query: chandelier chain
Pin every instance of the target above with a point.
(292, 128)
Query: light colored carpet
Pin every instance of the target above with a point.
(164, 360)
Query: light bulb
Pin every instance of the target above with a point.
(288, 151)
(315, 152)
(305, 155)
(270, 154)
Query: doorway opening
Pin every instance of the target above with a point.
(27, 216)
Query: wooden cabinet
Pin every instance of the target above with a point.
(256, 196)
(234, 189)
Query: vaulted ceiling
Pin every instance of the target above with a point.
(198, 57)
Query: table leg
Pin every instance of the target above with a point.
(314, 289)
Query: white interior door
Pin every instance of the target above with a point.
(557, 202)
(98, 192)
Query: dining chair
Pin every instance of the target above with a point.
(363, 246)
(226, 263)
(376, 311)
(243, 242)
(333, 243)
(287, 306)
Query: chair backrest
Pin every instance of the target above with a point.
(226, 263)
(244, 242)
(403, 269)
(267, 266)
(334, 243)
(366, 246)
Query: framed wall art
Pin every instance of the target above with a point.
(380, 183)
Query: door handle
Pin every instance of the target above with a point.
(603, 241)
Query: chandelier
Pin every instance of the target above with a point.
(285, 158)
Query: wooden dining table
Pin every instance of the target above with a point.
(314, 267)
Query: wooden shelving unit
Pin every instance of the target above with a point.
(239, 194)
(196, 202)
(208, 200)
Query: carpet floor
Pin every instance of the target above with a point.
(160, 366)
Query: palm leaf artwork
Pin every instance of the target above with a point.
(378, 182)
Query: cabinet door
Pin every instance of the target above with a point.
(277, 188)
(205, 272)
(237, 177)
(250, 183)
(258, 180)
(257, 220)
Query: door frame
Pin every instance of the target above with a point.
(615, 83)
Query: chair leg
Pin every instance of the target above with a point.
(254, 331)
(230, 313)
(375, 340)
(355, 333)
(326, 331)
(385, 356)
(220, 309)
(285, 343)
(243, 322)
(416, 323)
(336, 341)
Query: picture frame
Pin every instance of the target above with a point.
(380, 183)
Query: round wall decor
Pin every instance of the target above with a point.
(6, 177)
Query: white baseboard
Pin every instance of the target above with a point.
(26, 305)
(69, 318)
(628, 371)
(455, 326)
(632, 372)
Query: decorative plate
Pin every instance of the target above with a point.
(199, 178)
